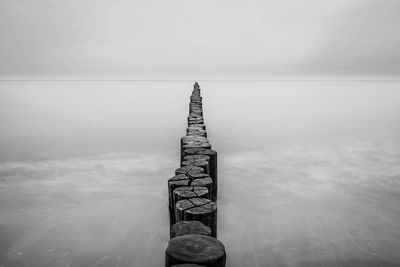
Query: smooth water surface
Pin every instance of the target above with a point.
(309, 171)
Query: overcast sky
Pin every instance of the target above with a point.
(193, 38)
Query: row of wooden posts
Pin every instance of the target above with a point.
(193, 198)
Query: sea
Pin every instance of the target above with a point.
(309, 171)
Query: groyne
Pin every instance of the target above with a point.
(192, 197)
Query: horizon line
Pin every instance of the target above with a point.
(208, 80)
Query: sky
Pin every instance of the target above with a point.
(152, 39)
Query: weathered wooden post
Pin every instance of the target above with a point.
(192, 196)
(198, 209)
(196, 249)
(189, 169)
(188, 192)
(188, 228)
(187, 265)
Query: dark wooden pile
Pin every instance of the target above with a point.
(193, 197)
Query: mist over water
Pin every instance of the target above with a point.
(309, 172)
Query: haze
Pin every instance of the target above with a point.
(189, 39)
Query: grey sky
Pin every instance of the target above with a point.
(185, 38)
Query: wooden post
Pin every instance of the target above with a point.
(173, 183)
(198, 163)
(187, 265)
(188, 228)
(196, 249)
(199, 126)
(187, 192)
(194, 131)
(202, 179)
(188, 169)
(193, 139)
(186, 145)
(198, 209)
(195, 119)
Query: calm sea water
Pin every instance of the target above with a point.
(309, 171)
